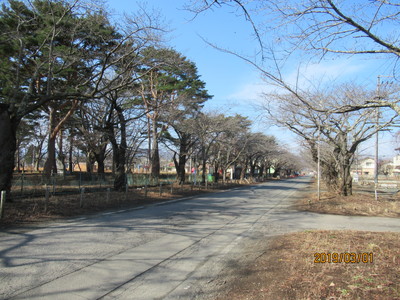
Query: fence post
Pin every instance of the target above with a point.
(3, 199)
(172, 184)
(160, 188)
(81, 201)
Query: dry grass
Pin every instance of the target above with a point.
(361, 203)
(288, 270)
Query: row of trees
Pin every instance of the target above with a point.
(213, 142)
(112, 86)
(223, 142)
(335, 119)
(55, 55)
(107, 89)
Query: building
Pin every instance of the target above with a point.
(365, 167)
(396, 166)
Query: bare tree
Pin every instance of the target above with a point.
(322, 27)
(208, 128)
(286, 163)
(231, 143)
(182, 139)
(93, 117)
(123, 116)
(342, 132)
(325, 26)
(344, 27)
(260, 149)
(137, 136)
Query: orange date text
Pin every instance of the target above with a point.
(344, 257)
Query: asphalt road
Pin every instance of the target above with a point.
(167, 251)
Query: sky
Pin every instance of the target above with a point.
(235, 85)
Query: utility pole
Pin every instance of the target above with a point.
(378, 89)
(378, 96)
(319, 165)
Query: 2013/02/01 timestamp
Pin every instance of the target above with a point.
(344, 257)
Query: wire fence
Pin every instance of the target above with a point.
(74, 194)
(36, 185)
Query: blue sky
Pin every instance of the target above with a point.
(235, 84)
(226, 76)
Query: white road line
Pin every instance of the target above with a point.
(108, 213)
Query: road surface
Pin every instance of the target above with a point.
(167, 251)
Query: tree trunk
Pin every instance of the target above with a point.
(39, 155)
(277, 172)
(180, 168)
(50, 164)
(70, 154)
(155, 154)
(223, 175)
(204, 166)
(101, 167)
(120, 152)
(216, 172)
(61, 155)
(100, 157)
(119, 180)
(343, 158)
(262, 169)
(8, 143)
(243, 171)
(37, 160)
(148, 144)
(346, 182)
(18, 157)
(155, 160)
(54, 127)
(252, 169)
(90, 160)
(182, 159)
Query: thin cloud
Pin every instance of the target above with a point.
(325, 72)
(249, 92)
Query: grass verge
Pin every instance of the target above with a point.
(288, 269)
(361, 203)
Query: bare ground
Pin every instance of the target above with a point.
(288, 268)
(361, 203)
(326, 264)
